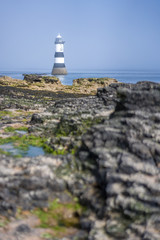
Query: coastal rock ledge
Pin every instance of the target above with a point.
(113, 172)
(81, 86)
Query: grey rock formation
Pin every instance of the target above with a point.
(40, 78)
(114, 170)
(123, 154)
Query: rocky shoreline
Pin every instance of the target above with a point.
(81, 86)
(99, 176)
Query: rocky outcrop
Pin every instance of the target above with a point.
(118, 159)
(90, 81)
(107, 151)
(40, 78)
(90, 85)
(83, 86)
(123, 154)
(8, 81)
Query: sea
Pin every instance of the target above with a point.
(125, 76)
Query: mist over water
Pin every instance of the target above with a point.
(125, 76)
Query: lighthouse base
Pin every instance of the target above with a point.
(59, 71)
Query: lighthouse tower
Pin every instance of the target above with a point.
(59, 65)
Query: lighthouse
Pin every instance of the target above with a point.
(59, 65)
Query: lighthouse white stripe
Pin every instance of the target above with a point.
(59, 60)
(59, 48)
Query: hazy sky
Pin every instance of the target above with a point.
(99, 34)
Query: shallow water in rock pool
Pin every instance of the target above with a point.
(32, 151)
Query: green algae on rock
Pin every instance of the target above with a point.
(60, 217)
(24, 142)
(6, 113)
(14, 129)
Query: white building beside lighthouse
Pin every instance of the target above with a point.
(59, 67)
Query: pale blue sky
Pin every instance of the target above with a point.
(99, 34)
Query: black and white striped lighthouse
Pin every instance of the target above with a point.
(59, 67)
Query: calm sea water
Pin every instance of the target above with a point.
(125, 76)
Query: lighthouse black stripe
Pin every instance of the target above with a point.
(59, 41)
(59, 54)
(59, 65)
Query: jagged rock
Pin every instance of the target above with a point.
(36, 118)
(121, 153)
(23, 228)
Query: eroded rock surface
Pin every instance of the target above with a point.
(110, 163)
(123, 154)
